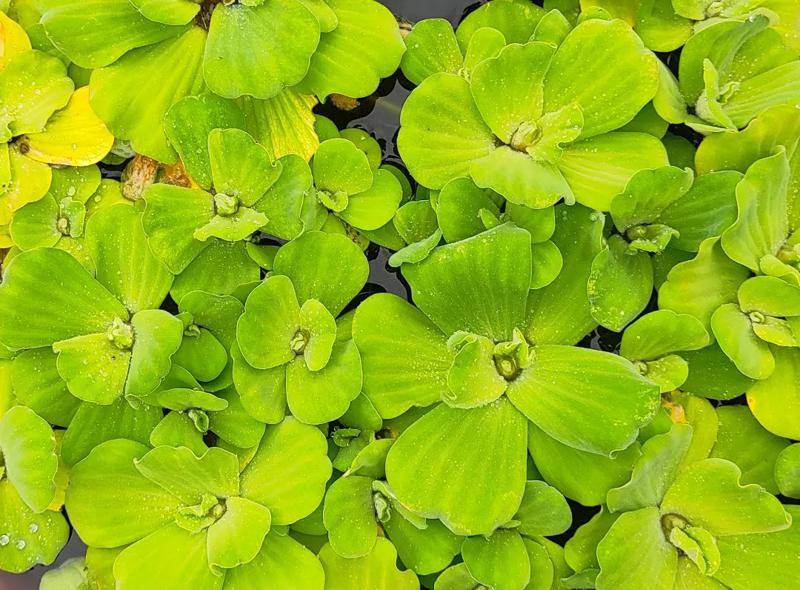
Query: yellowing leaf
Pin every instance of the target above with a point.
(28, 182)
(74, 136)
(13, 39)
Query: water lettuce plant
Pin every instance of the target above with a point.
(544, 334)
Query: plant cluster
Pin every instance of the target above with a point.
(194, 378)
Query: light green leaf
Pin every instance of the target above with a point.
(114, 515)
(473, 380)
(133, 95)
(323, 266)
(262, 392)
(240, 167)
(188, 477)
(28, 447)
(488, 274)
(579, 73)
(282, 564)
(787, 471)
(275, 38)
(762, 224)
(283, 203)
(648, 194)
(653, 474)
(580, 476)
(220, 269)
(364, 47)
(771, 296)
(775, 401)
(98, 34)
(288, 472)
(494, 471)
(271, 314)
(157, 337)
(431, 48)
(376, 570)
(701, 285)
(169, 12)
(236, 538)
(317, 397)
(599, 168)
(543, 511)
(37, 385)
(349, 516)
(124, 263)
(93, 367)
(499, 561)
(620, 284)
(734, 333)
(34, 318)
(516, 19)
(339, 166)
(374, 207)
(441, 131)
(661, 332)
(170, 556)
(655, 562)
(590, 400)
(30, 538)
(704, 491)
(404, 356)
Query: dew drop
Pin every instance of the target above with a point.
(21, 544)
(4, 540)
(34, 528)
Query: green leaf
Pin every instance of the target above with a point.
(262, 392)
(170, 556)
(580, 552)
(458, 209)
(620, 284)
(94, 425)
(30, 538)
(288, 472)
(240, 167)
(743, 441)
(171, 12)
(35, 224)
(376, 570)
(236, 538)
(701, 285)
(349, 516)
(374, 207)
(655, 562)
(499, 561)
(28, 446)
(339, 166)
(762, 224)
(93, 367)
(178, 430)
(124, 262)
(579, 73)
(704, 491)
(487, 274)
(648, 194)
(188, 477)
(271, 314)
(426, 550)
(282, 564)
(188, 124)
(364, 47)
(473, 379)
(774, 401)
(102, 35)
(317, 397)
(34, 86)
(771, 296)
(734, 332)
(560, 313)
(170, 219)
(787, 471)
(201, 354)
(34, 318)
(507, 100)
(485, 43)
(133, 95)
(516, 19)
(456, 577)
(431, 48)
(38, 385)
(654, 473)
(661, 332)
(283, 202)
(233, 424)
(157, 337)
(323, 266)
(494, 471)
(599, 168)
(276, 39)
(441, 131)
(404, 356)
(579, 475)
(744, 556)
(712, 374)
(114, 515)
(590, 400)
(220, 269)
(543, 512)
(417, 251)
